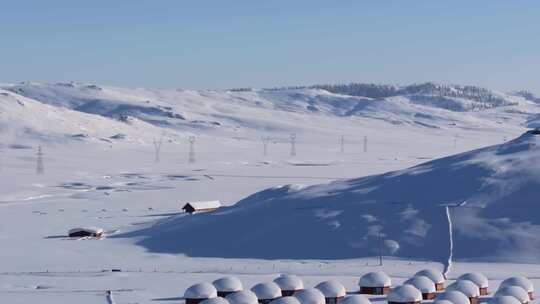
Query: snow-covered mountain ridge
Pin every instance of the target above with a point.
(234, 113)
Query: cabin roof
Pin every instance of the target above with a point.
(201, 205)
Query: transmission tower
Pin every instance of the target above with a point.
(342, 144)
(40, 169)
(157, 148)
(191, 149)
(265, 141)
(365, 144)
(293, 144)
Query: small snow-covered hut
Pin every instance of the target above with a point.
(454, 296)
(503, 300)
(218, 300)
(468, 288)
(199, 292)
(377, 283)
(404, 294)
(286, 300)
(425, 285)
(203, 206)
(332, 290)
(86, 232)
(227, 285)
(289, 284)
(266, 292)
(436, 276)
(479, 279)
(242, 297)
(522, 282)
(355, 299)
(515, 291)
(310, 296)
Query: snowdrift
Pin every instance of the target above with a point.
(488, 198)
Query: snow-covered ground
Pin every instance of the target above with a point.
(94, 178)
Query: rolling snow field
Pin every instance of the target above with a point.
(400, 166)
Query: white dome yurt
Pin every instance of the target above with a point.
(468, 288)
(376, 282)
(404, 294)
(503, 300)
(479, 279)
(227, 285)
(523, 282)
(442, 302)
(310, 296)
(435, 275)
(454, 296)
(266, 292)
(332, 290)
(355, 299)
(242, 297)
(425, 285)
(286, 300)
(199, 292)
(289, 284)
(515, 291)
(218, 300)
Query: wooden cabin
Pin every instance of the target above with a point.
(203, 206)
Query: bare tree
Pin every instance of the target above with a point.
(191, 157)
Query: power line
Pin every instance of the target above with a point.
(191, 157)
(293, 144)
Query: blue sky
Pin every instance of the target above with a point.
(239, 43)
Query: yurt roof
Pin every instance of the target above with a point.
(504, 300)
(422, 283)
(289, 282)
(469, 288)
(331, 289)
(515, 291)
(454, 296)
(310, 296)
(201, 291)
(355, 299)
(375, 279)
(218, 300)
(242, 297)
(435, 275)
(519, 281)
(267, 291)
(228, 284)
(286, 300)
(477, 278)
(404, 294)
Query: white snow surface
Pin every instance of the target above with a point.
(289, 282)
(201, 291)
(433, 274)
(100, 170)
(310, 296)
(422, 283)
(469, 288)
(242, 297)
(479, 279)
(454, 296)
(355, 299)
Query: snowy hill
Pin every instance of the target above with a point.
(248, 113)
(489, 198)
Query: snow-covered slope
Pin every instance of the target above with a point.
(491, 195)
(248, 113)
(22, 117)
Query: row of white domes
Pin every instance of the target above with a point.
(463, 291)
